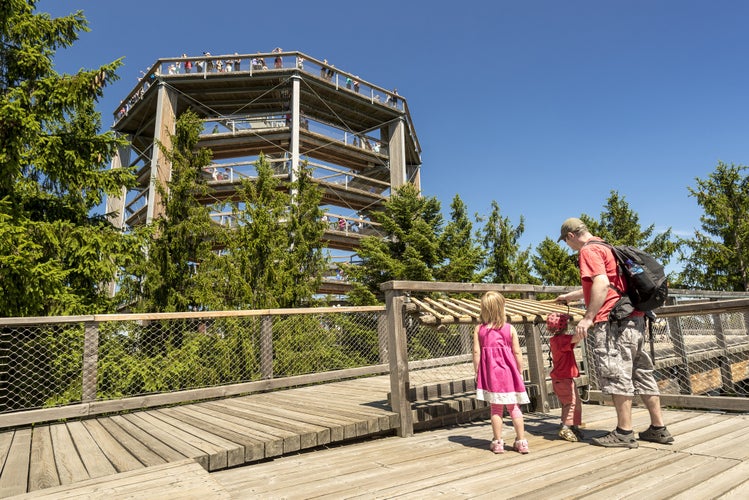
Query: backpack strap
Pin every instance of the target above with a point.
(618, 264)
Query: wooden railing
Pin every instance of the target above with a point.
(694, 353)
(65, 367)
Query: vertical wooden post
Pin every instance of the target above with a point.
(724, 362)
(161, 169)
(536, 369)
(266, 347)
(677, 340)
(397, 153)
(295, 120)
(115, 207)
(382, 336)
(90, 361)
(398, 353)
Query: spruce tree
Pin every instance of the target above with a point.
(554, 265)
(461, 255)
(505, 262)
(272, 255)
(304, 262)
(718, 254)
(178, 241)
(56, 255)
(408, 249)
(620, 225)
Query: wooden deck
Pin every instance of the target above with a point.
(255, 447)
(215, 434)
(707, 460)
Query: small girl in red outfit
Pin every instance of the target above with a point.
(498, 362)
(563, 375)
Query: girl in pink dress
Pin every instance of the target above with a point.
(498, 362)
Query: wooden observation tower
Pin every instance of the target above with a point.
(357, 138)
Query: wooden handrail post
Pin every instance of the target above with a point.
(89, 370)
(382, 337)
(398, 354)
(536, 369)
(466, 338)
(266, 347)
(724, 360)
(676, 335)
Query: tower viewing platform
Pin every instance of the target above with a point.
(357, 138)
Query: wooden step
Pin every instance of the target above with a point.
(447, 410)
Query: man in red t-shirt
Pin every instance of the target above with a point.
(622, 366)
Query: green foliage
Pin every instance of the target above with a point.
(304, 344)
(209, 353)
(136, 358)
(182, 237)
(620, 225)
(304, 262)
(719, 252)
(54, 255)
(273, 256)
(358, 336)
(554, 265)
(409, 249)
(505, 262)
(43, 366)
(460, 252)
(426, 342)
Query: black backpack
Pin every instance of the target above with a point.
(647, 287)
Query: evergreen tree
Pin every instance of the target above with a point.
(461, 255)
(180, 240)
(272, 257)
(304, 262)
(719, 258)
(505, 262)
(408, 249)
(554, 265)
(55, 256)
(620, 225)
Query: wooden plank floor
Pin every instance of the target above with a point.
(185, 479)
(707, 460)
(216, 434)
(255, 447)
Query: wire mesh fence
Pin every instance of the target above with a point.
(449, 347)
(64, 361)
(694, 354)
(56, 364)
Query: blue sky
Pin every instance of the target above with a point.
(544, 106)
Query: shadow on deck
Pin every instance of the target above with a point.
(254, 446)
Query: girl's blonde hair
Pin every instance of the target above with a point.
(493, 309)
